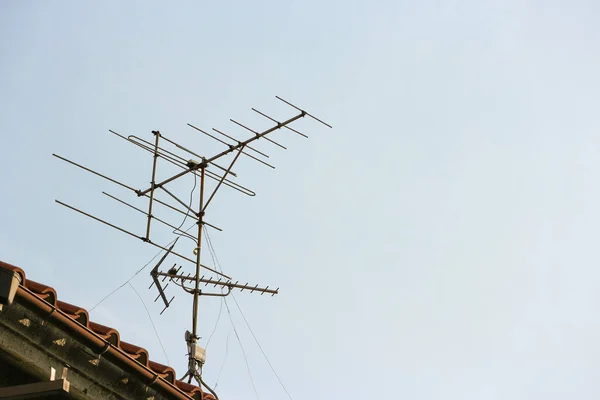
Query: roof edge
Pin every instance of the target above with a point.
(99, 345)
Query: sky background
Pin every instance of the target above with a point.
(440, 242)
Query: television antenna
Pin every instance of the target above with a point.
(204, 168)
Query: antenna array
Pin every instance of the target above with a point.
(204, 168)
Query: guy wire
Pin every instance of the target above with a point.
(225, 359)
(243, 351)
(151, 321)
(135, 274)
(218, 264)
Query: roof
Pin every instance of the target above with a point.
(42, 295)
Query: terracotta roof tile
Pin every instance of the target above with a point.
(166, 372)
(44, 292)
(138, 353)
(188, 388)
(13, 268)
(77, 313)
(110, 335)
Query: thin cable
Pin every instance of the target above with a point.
(135, 274)
(211, 250)
(127, 281)
(221, 307)
(216, 261)
(152, 322)
(188, 210)
(225, 359)
(261, 349)
(241, 347)
(209, 388)
(216, 324)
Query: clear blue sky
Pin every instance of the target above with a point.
(440, 242)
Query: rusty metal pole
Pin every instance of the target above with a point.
(198, 252)
(157, 134)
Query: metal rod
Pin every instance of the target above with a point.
(155, 279)
(237, 141)
(231, 184)
(157, 134)
(168, 304)
(194, 154)
(299, 109)
(161, 293)
(139, 237)
(211, 136)
(175, 208)
(156, 218)
(274, 120)
(229, 145)
(94, 172)
(217, 294)
(256, 133)
(150, 147)
(99, 220)
(179, 201)
(188, 214)
(250, 155)
(198, 254)
(212, 226)
(258, 136)
(170, 153)
(170, 157)
(225, 152)
(184, 166)
(221, 181)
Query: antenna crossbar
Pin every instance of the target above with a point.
(183, 164)
(256, 133)
(230, 145)
(233, 148)
(137, 236)
(196, 155)
(237, 141)
(304, 112)
(182, 232)
(245, 153)
(274, 120)
(94, 172)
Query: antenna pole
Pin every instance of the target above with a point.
(198, 253)
(157, 134)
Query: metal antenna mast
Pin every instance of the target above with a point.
(203, 168)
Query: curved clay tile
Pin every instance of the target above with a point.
(13, 268)
(109, 334)
(77, 313)
(164, 371)
(137, 353)
(190, 389)
(44, 292)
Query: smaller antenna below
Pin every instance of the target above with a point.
(161, 290)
